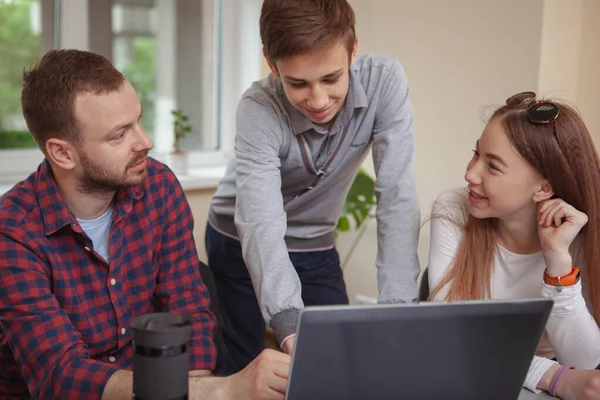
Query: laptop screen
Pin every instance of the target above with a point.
(461, 350)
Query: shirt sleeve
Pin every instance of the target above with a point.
(537, 369)
(179, 287)
(572, 330)
(397, 212)
(49, 350)
(260, 218)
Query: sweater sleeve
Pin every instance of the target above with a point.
(260, 217)
(572, 330)
(397, 210)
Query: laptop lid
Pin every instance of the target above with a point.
(460, 350)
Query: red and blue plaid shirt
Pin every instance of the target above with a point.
(65, 313)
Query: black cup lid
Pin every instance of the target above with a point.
(158, 330)
(161, 321)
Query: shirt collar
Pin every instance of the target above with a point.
(55, 213)
(356, 98)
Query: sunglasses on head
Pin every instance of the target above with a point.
(538, 112)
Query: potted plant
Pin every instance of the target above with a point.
(178, 158)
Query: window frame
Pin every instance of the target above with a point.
(238, 43)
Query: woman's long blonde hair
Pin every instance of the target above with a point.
(570, 163)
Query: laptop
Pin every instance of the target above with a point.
(469, 350)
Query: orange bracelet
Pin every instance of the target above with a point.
(559, 281)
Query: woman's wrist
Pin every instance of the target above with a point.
(546, 380)
(564, 384)
(556, 380)
(558, 263)
(558, 377)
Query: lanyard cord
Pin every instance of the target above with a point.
(307, 156)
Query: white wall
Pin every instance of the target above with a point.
(561, 49)
(463, 58)
(588, 85)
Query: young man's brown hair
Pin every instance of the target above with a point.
(295, 27)
(51, 86)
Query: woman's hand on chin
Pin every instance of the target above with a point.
(558, 225)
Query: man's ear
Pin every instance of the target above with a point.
(271, 65)
(62, 153)
(544, 192)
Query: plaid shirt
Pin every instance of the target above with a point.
(65, 313)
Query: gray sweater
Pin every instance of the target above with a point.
(273, 200)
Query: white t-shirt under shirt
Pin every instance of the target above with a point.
(571, 335)
(98, 230)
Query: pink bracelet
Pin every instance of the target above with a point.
(557, 377)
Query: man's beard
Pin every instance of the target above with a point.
(102, 179)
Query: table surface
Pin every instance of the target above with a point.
(528, 395)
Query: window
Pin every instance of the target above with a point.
(134, 52)
(166, 49)
(194, 55)
(24, 34)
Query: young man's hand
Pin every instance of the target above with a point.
(265, 378)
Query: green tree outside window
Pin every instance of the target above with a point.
(140, 70)
(20, 48)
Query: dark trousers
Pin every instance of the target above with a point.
(242, 325)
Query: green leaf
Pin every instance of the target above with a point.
(359, 202)
(359, 216)
(343, 224)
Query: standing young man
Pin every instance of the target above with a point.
(302, 134)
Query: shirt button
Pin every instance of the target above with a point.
(111, 359)
(113, 281)
(123, 331)
(87, 248)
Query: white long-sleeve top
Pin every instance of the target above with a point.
(571, 334)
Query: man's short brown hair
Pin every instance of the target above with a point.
(51, 86)
(295, 27)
